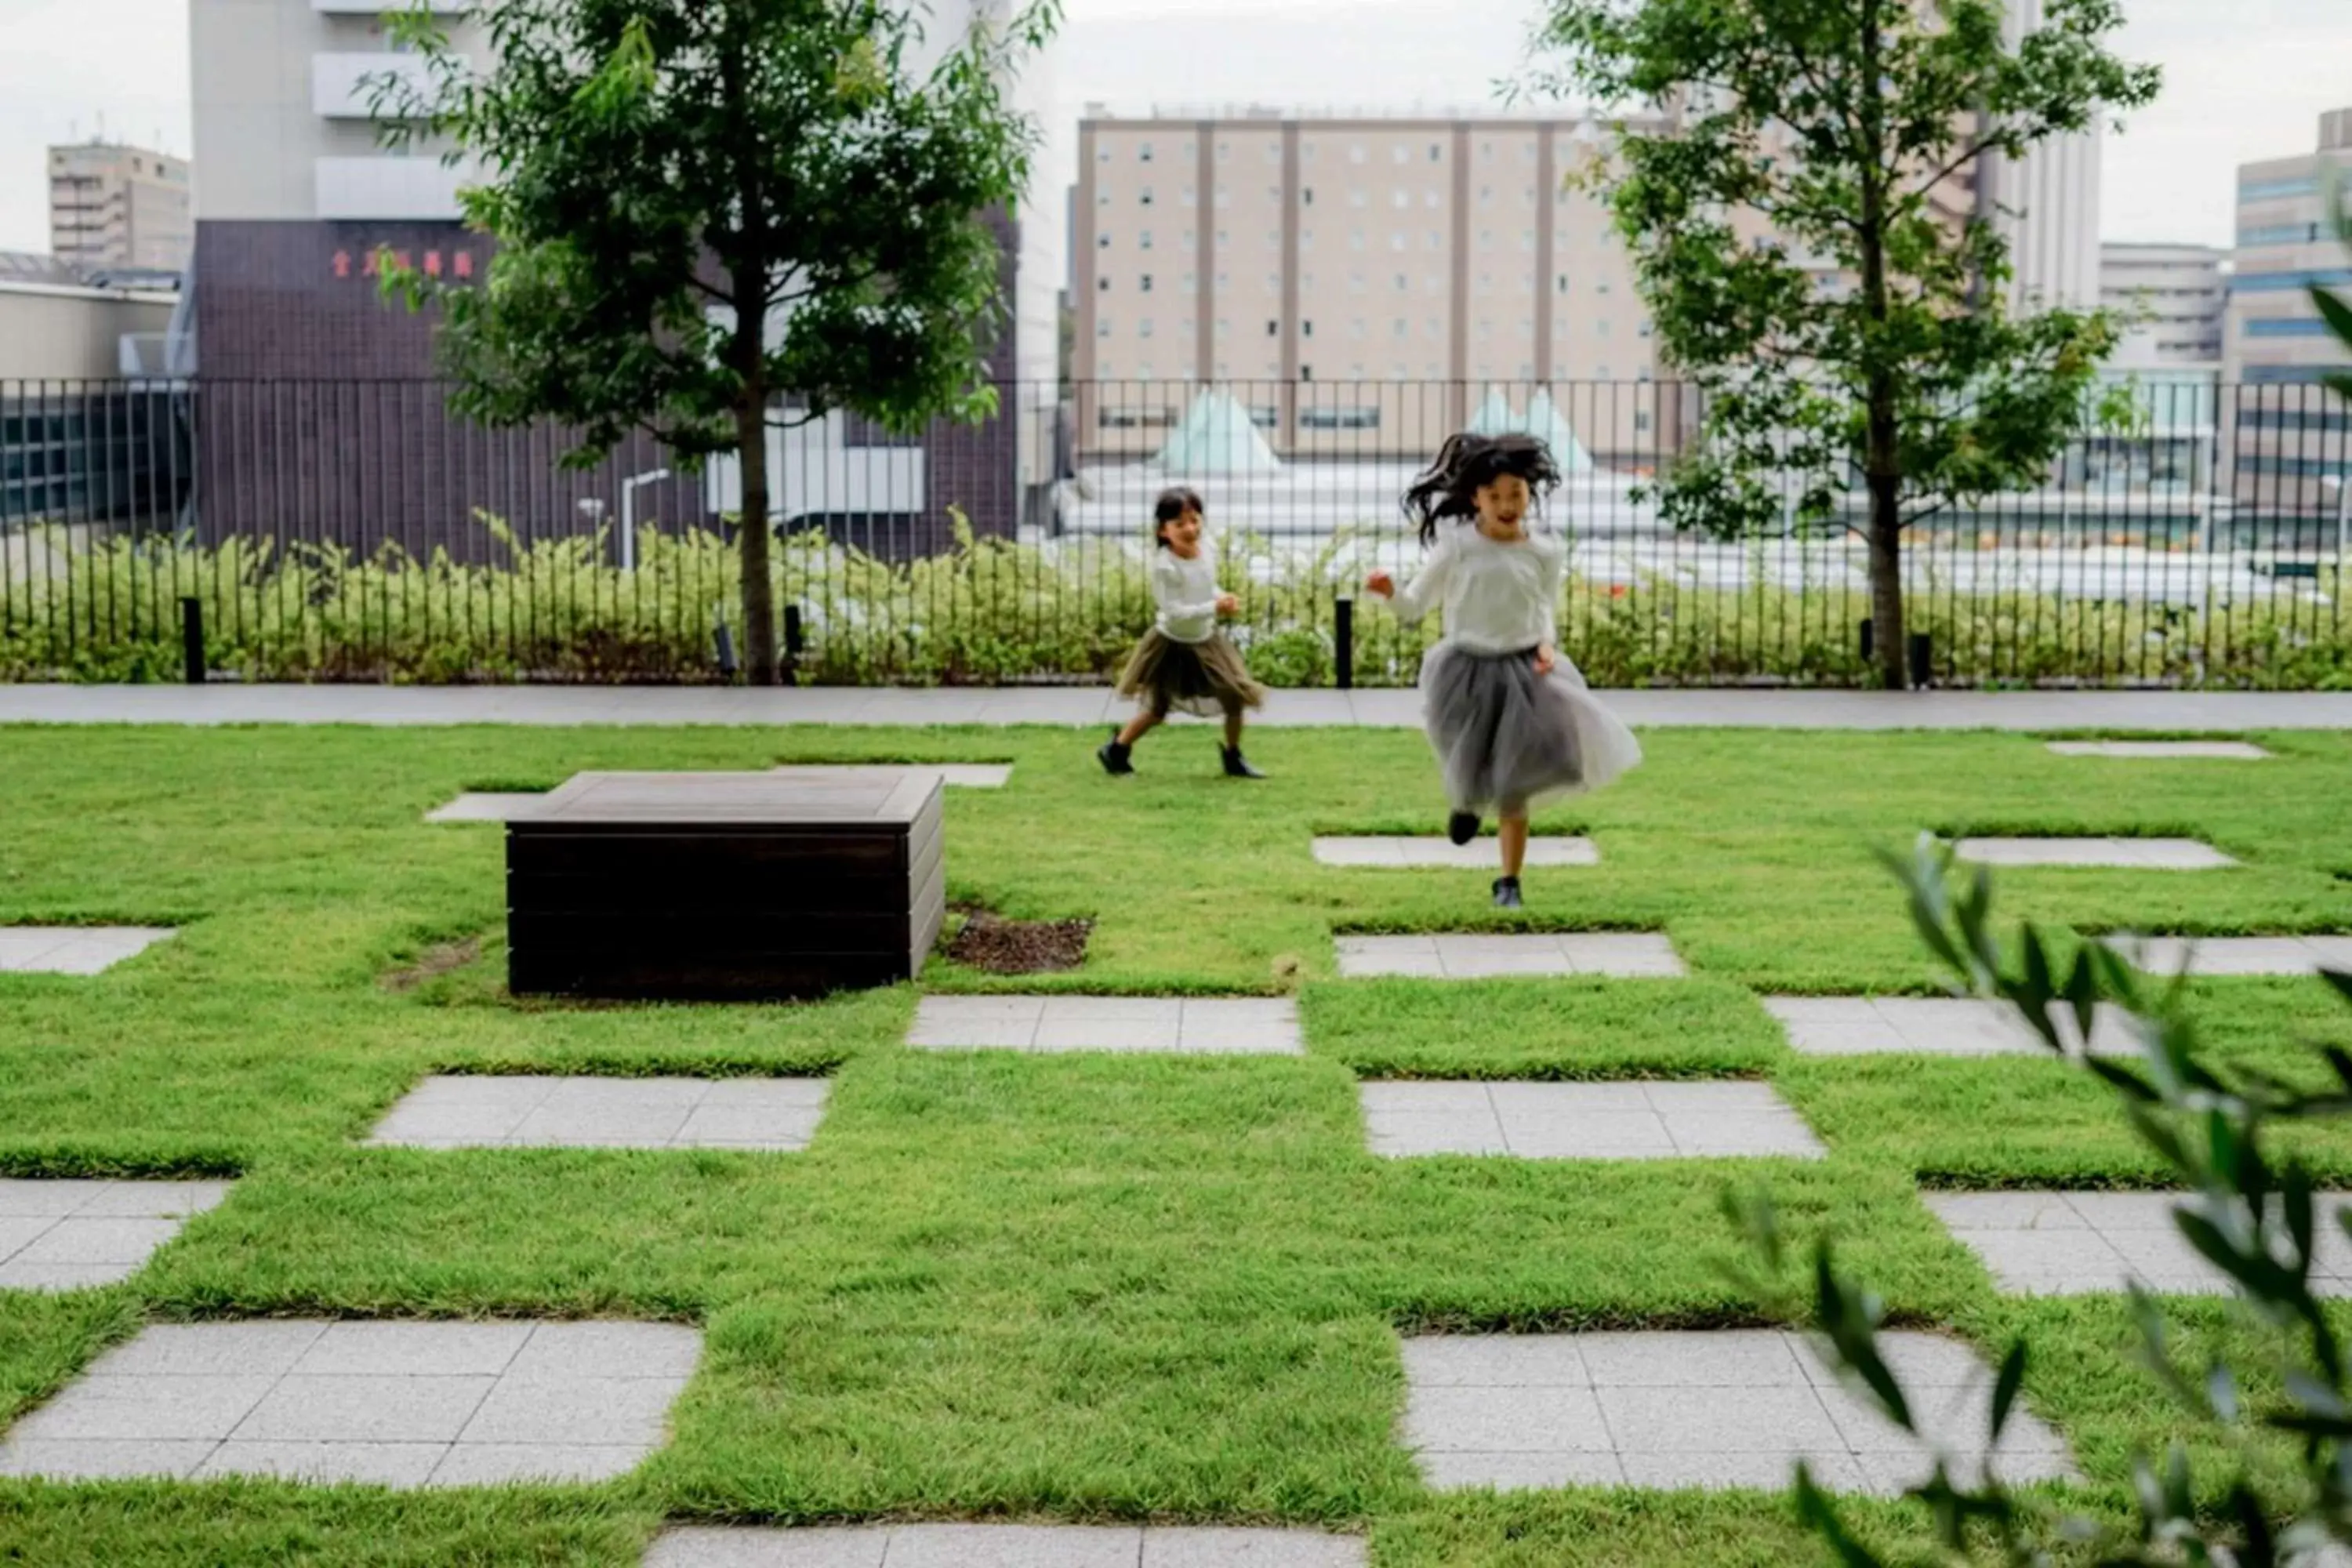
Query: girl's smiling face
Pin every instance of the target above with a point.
(1503, 506)
(1183, 534)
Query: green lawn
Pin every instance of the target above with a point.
(1076, 1287)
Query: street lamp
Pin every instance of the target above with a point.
(629, 487)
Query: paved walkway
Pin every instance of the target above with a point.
(1088, 705)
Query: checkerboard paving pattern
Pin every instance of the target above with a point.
(1478, 855)
(72, 1234)
(1932, 1026)
(1464, 956)
(73, 950)
(1251, 1026)
(396, 1404)
(1700, 1409)
(2131, 854)
(2235, 956)
(2070, 1243)
(462, 1112)
(1584, 1121)
(1002, 1546)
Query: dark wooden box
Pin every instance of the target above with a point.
(725, 886)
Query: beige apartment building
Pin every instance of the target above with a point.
(2293, 443)
(1360, 284)
(116, 205)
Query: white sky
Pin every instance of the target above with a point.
(2245, 79)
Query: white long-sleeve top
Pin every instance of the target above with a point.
(1498, 597)
(1187, 594)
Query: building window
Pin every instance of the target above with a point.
(1143, 153)
(1102, 199)
(1601, 372)
(1355, 198)
(1223, 148)
(1144, 283)
(1143, 329)
(1102, 327)
(1486, 328)
(1644, 329)
(1219, 199)
(1307, 196)
(1402, 326)
(1356, 327)
(1102, 241)
(1273, 328)
(1361, 419)
(1434, 153)
(1102, 284)
(1145, 195)
(1102, 154)
(1306, 329)
(2270, 190)
(1485, 193)
(1356, 153)
(1563, 283)
(1601, 328)
(1401, 199)
(1192, 197)
(1400, 154)
(1400, 280)
(1143, 239)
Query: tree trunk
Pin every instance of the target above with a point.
(1887, 557)
(759, 593)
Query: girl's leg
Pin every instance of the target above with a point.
(1233, 729)
(1140, 726)
(1511, 830)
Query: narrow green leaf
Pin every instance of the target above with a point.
(2006, 1386)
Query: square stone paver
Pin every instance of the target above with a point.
(1478, 855)
(1238, 1025)
(2149, 750)
(1466, 956)
(1001, 1546)
(396, 1403)
(953, 775)
(1705, 1409)
(462, 1112)
(2235, 956)
(1624, 1120)
(69, 1235)
(2070, 1243)
(73, 950)
(1931, 1025)
(2131, 854)
(489, 805)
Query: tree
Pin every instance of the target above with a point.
(2250, 1216)
(1796, 236)
(717, 217)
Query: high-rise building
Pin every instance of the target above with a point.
(1310, 265)
(2045, 204)
(2292, 449)
(2172, 297)
(112, 205)
(297, 194)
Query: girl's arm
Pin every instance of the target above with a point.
(1554, 576)
(1427, 589)
(1169, 591)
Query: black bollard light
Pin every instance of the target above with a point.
(726, 641)
(1343, 642)
(192, 640)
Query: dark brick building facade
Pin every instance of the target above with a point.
(320, 419)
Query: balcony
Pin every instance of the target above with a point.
(417, 189)
(341, 85)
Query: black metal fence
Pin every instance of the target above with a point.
(357, 531)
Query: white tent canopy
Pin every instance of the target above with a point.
(1543, 421)
(1217, 437)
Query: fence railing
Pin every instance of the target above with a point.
(356, 530)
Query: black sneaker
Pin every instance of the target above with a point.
(1236, 766)
(1462, 826)
(1114, 756)
(1507, 894)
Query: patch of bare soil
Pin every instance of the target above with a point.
(433, 962)
(989, 942)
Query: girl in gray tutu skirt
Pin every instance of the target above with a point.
(1510, 719)
(1184, 661)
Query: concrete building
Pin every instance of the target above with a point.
(2046, 203)
(301, 360)
(117, 206)
(1359, 282)
(2291, 433)
(2175, 296)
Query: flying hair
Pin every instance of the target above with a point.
(1468, 462)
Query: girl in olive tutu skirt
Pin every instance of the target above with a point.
(1184, 661)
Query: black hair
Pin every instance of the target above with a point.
(1172, 504)
(1468, 462)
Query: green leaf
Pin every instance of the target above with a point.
(2335, 312)
(1819, 1515)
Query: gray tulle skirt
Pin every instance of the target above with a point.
(1507, 738)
